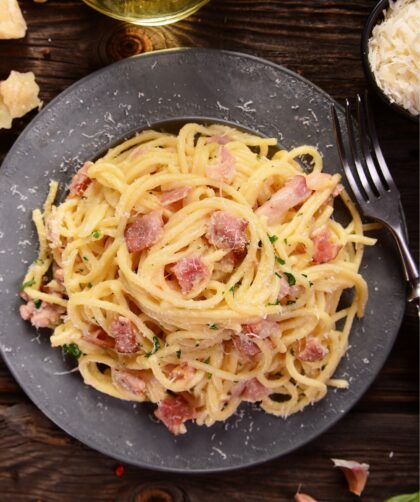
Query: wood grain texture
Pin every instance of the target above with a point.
(320, 40)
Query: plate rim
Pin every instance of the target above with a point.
(68, 428)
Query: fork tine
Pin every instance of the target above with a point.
(365, 142)
(376, 148)
(359, 168)
(341, 152)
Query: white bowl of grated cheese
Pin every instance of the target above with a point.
(391, 54)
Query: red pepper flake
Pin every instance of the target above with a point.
(119, 470)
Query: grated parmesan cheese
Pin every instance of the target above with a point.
(394, 54)
(18, 96)
(12, 24)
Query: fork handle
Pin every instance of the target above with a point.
(410, 267)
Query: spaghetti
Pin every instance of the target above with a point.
(198, 271)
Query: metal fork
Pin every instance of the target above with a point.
(372, 184)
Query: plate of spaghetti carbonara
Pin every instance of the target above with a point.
(199, 283)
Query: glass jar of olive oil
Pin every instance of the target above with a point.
(147, 12)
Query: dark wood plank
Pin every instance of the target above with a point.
(320, 40)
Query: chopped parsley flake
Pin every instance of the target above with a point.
(278, 275)
(311, 284)
(209, 376)
(206, 361)
(213, 326)
(178, 354)
(89, 285)
(156, 346)
(305, 275)
(279, 260)
(290, 302)
(37, 303)
(39, 261)
(28, 284)
(232, 289)
(259, 156)
(96, 234)
(85, 258)
(290, 278)
(273, 238)
(277, 302)
(72, 349)
(259, 244)
(285, 241)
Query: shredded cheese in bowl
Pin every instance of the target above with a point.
(394, 54)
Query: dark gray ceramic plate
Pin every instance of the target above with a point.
(104, 108)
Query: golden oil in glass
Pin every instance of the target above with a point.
(147, 12)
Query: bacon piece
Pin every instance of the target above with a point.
(317, 180)
(175, 195)
(293, 193)
(250, 390)
(59, 275)
(190, 272)
(302, 497)
(245, 345)
(261, 329)
(181, 371)
(227, 232)
(355, 473)
(221, 139)
(224, 169)
(324, 249)
(284, 288)
(47, 315)
(173, 412)
(130, 381)
(125, 335)
(80, 181)
(313, 350)
(99, 337)
(144, 232)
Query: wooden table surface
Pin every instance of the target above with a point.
(320, 40)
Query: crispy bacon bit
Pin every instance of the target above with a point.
(318, 181)
(324, 249)
(245, 345)
(293, 193)
(227, 232)
(221, 139)
(190, 272)
(174, 195)
(313, 350)
(99, 337)
(224, 169)
(47, 315)
(125, 335)
(337, 190)
(173, 412)
(302, 497)
(355, 473)
(80, 181)
(261, 329)
(250, 390)
(144, 232)
(130, 381)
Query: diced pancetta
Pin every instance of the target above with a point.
(261, 329)
(250, 390)
(224, 168)
(173, 411)
(174, 195)
(324, 249)
(145, 231)
(181, 371)
(80, 181)
(130, 381)
(355, 473)
(302, 497)
(245, 346)
(59, 275)
(293, 193)
(284, 287)
(190, 272)
(99, 337)
(220, 139)
(48, 315)
(318, 181)
(313, 350)
(227, 232)
(125, 335)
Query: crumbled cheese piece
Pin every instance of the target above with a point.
(18, 96)
(394, 54)
(12, 24)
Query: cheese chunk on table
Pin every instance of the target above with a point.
(12, 23)
(18, 96)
